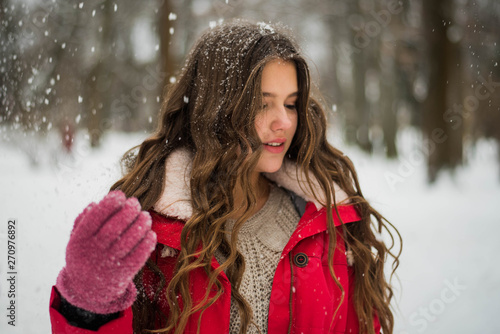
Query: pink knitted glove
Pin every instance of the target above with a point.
(109, 244)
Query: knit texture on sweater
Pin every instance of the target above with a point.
(261, 241)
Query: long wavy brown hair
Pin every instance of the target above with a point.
(210, 111)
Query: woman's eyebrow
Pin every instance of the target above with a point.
(266, 94)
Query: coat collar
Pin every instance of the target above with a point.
(175, 199)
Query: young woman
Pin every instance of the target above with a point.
(253, 223)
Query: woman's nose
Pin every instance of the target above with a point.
(281, 119)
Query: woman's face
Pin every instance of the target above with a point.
(277, 121)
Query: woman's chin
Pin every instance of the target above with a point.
(270, 166)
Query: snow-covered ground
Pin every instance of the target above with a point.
(447, 280)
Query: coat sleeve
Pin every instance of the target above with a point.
(60, 325)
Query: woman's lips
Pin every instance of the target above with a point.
(275, 147)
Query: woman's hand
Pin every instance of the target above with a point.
(109, 244)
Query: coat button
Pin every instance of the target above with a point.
(300, 260)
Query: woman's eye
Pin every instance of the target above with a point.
(291, 106)
(265, 106)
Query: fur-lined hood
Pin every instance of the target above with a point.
(175, 199)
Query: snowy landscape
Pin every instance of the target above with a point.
(446, 283)
(99, 67)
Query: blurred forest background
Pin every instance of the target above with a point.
(72, 67)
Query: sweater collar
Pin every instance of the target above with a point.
(175, 199)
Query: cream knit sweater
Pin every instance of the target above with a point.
(261, 241)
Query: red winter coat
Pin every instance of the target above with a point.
(304, 297)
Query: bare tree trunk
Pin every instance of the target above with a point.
(167, 62)
(390, 89)
(443, 137)
(358, 121)
(96, 103)
(330, 85)
(8, 81)
(388, 102)
(453, 116)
